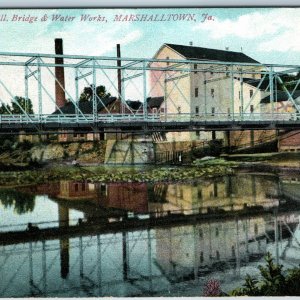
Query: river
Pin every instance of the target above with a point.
(171, 260)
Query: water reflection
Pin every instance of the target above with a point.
(149, 262)
(226, 193)
(157, 261)
(229, 193)
(21, 202)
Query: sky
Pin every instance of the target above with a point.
(268, 35)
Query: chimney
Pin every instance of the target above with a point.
(119, 76)
(191, 43)
(227, 48)
(60, 97)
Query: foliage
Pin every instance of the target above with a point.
(17, 107)
(88, 92)
(289, 80)
(20, 102)
(21, 202)
(274, 282)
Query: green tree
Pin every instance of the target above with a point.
(18, 102)
(88, 92)
(5, 109)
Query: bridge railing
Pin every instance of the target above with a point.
(163, 118)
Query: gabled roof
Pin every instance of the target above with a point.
(255, 82)
(134, 104)
(155, 102)
(152, 102)
(200, 53)
(85, 106)
(280, 96)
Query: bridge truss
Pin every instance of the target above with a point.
(32, 76)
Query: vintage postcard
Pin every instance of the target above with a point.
(149, 152)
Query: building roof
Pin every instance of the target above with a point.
(200, 53)
(155, 102)
(255, 82)
(280, 96)
(85, 106)
(134, 104)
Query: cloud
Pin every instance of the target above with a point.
(275, 29)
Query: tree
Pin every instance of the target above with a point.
(18, 102)
(5, 109)
(88, 92)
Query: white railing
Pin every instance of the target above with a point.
(163, 118)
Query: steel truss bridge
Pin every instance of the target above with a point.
(32, 76)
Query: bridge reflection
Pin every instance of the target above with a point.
(147, 262)
(151, 260)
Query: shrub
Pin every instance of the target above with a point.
(274, 281)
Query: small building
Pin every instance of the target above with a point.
(110, 104)
(288, 140)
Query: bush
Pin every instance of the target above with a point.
(274, 281)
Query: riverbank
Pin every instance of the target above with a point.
(105, 174)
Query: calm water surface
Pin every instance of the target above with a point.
(175, 260)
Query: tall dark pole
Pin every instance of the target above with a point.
(59, 74)
(119, 77)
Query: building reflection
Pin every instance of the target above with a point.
(214, 243)
(199, 249)
(230, 193)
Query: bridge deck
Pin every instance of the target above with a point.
(140, 123)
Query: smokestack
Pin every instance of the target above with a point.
(119, 75)
(60, 97)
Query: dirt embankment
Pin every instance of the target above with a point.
(83, 152)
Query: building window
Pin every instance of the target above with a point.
(239, 95)
(251, 108)
(168, 63)
(232, 251)
(227, 73)
(179, 109)
(212, 111)
(217, 231)
(75, 135)
(218, 255)
(197, 110)
(196, 92)
(251, 93)
(241, 109)
(195, 68)
(201, 257)
(255, 229)
(198, 134)
(76, 187)
(82, 135)
(212, 92)
(199, 193)
(200, 233)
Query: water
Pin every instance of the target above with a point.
(174, 260)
